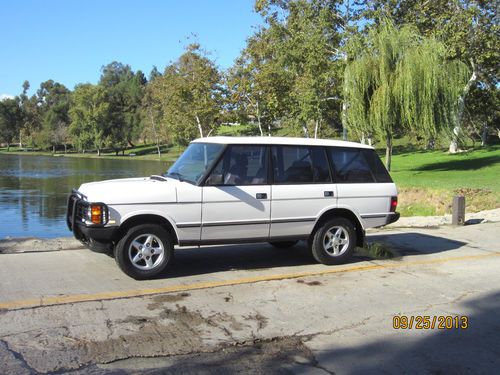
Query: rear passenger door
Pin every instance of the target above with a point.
(363, 183)
(302, 188)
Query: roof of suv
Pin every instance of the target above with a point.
(280, 141)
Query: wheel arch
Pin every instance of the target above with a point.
(345, 213)
(146, 218)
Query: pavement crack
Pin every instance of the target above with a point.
(19, 357)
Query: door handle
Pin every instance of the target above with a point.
(261, 195)
(328, 193)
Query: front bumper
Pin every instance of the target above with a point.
(77, 224)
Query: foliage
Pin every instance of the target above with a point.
(401, 81)
(53, 101)
(89, 114)
(189, 94)
(124, 92)
(11, 120)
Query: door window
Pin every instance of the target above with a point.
(300, 164)
(241, 165)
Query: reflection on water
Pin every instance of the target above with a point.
(34, 189)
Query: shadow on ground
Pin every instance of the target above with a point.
(213, 259)
(404, 244)
(461, 164)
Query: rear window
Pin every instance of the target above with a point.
(353, 165)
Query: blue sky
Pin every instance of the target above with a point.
(68, 41)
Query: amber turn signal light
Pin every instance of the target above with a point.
(96, 214)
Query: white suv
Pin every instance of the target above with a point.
(239, 189)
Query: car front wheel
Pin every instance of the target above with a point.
(144, 251)
(334, 242)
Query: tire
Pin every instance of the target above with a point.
(144, 251)
(339, 230)
(283, 244)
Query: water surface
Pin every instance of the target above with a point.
(34, 189)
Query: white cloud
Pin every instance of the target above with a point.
(6, 96)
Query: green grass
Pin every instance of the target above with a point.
(427, 180)
(478, 169)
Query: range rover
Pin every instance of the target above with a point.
(239, 189)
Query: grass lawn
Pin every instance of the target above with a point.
(427, 180)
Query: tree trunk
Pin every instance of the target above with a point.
(460, 111)
(370, 141)
(344, 103)
(305, 130)
(53, 149)
(130, 143)
(363, 140)
(269, 128)
(484, 135)
(65, 148)
(151, 119)
(98, 151)
(316, 129)
(200, 129)
(8, 146)
(388, 152)
(258, 118)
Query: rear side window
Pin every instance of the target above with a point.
(353, 165)
(300, 164)
(350, 166)
(377, 167)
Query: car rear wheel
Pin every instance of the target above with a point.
(334, 241)
(144, 251)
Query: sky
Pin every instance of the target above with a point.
(69, 40)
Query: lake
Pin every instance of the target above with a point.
(34, 189)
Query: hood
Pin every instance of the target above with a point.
(131, 190)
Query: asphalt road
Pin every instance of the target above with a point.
(256, 309)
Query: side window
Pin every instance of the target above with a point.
(300, 164)
(377, 167)
(241, 165)
(350, 165)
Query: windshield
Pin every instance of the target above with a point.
(194, 162)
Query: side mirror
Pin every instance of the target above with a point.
(215, 179)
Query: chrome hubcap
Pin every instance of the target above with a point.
(146, 252)
(336, 241)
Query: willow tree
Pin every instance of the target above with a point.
(401, 82)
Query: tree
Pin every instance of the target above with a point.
(89, 114)
(124, 91)
(31, 116)
(151, 110)
(400, 81)
(469, 30)
(189, 94)
(258, 85)
(53, 100)
(11, 120)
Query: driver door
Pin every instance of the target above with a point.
(236, 198)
